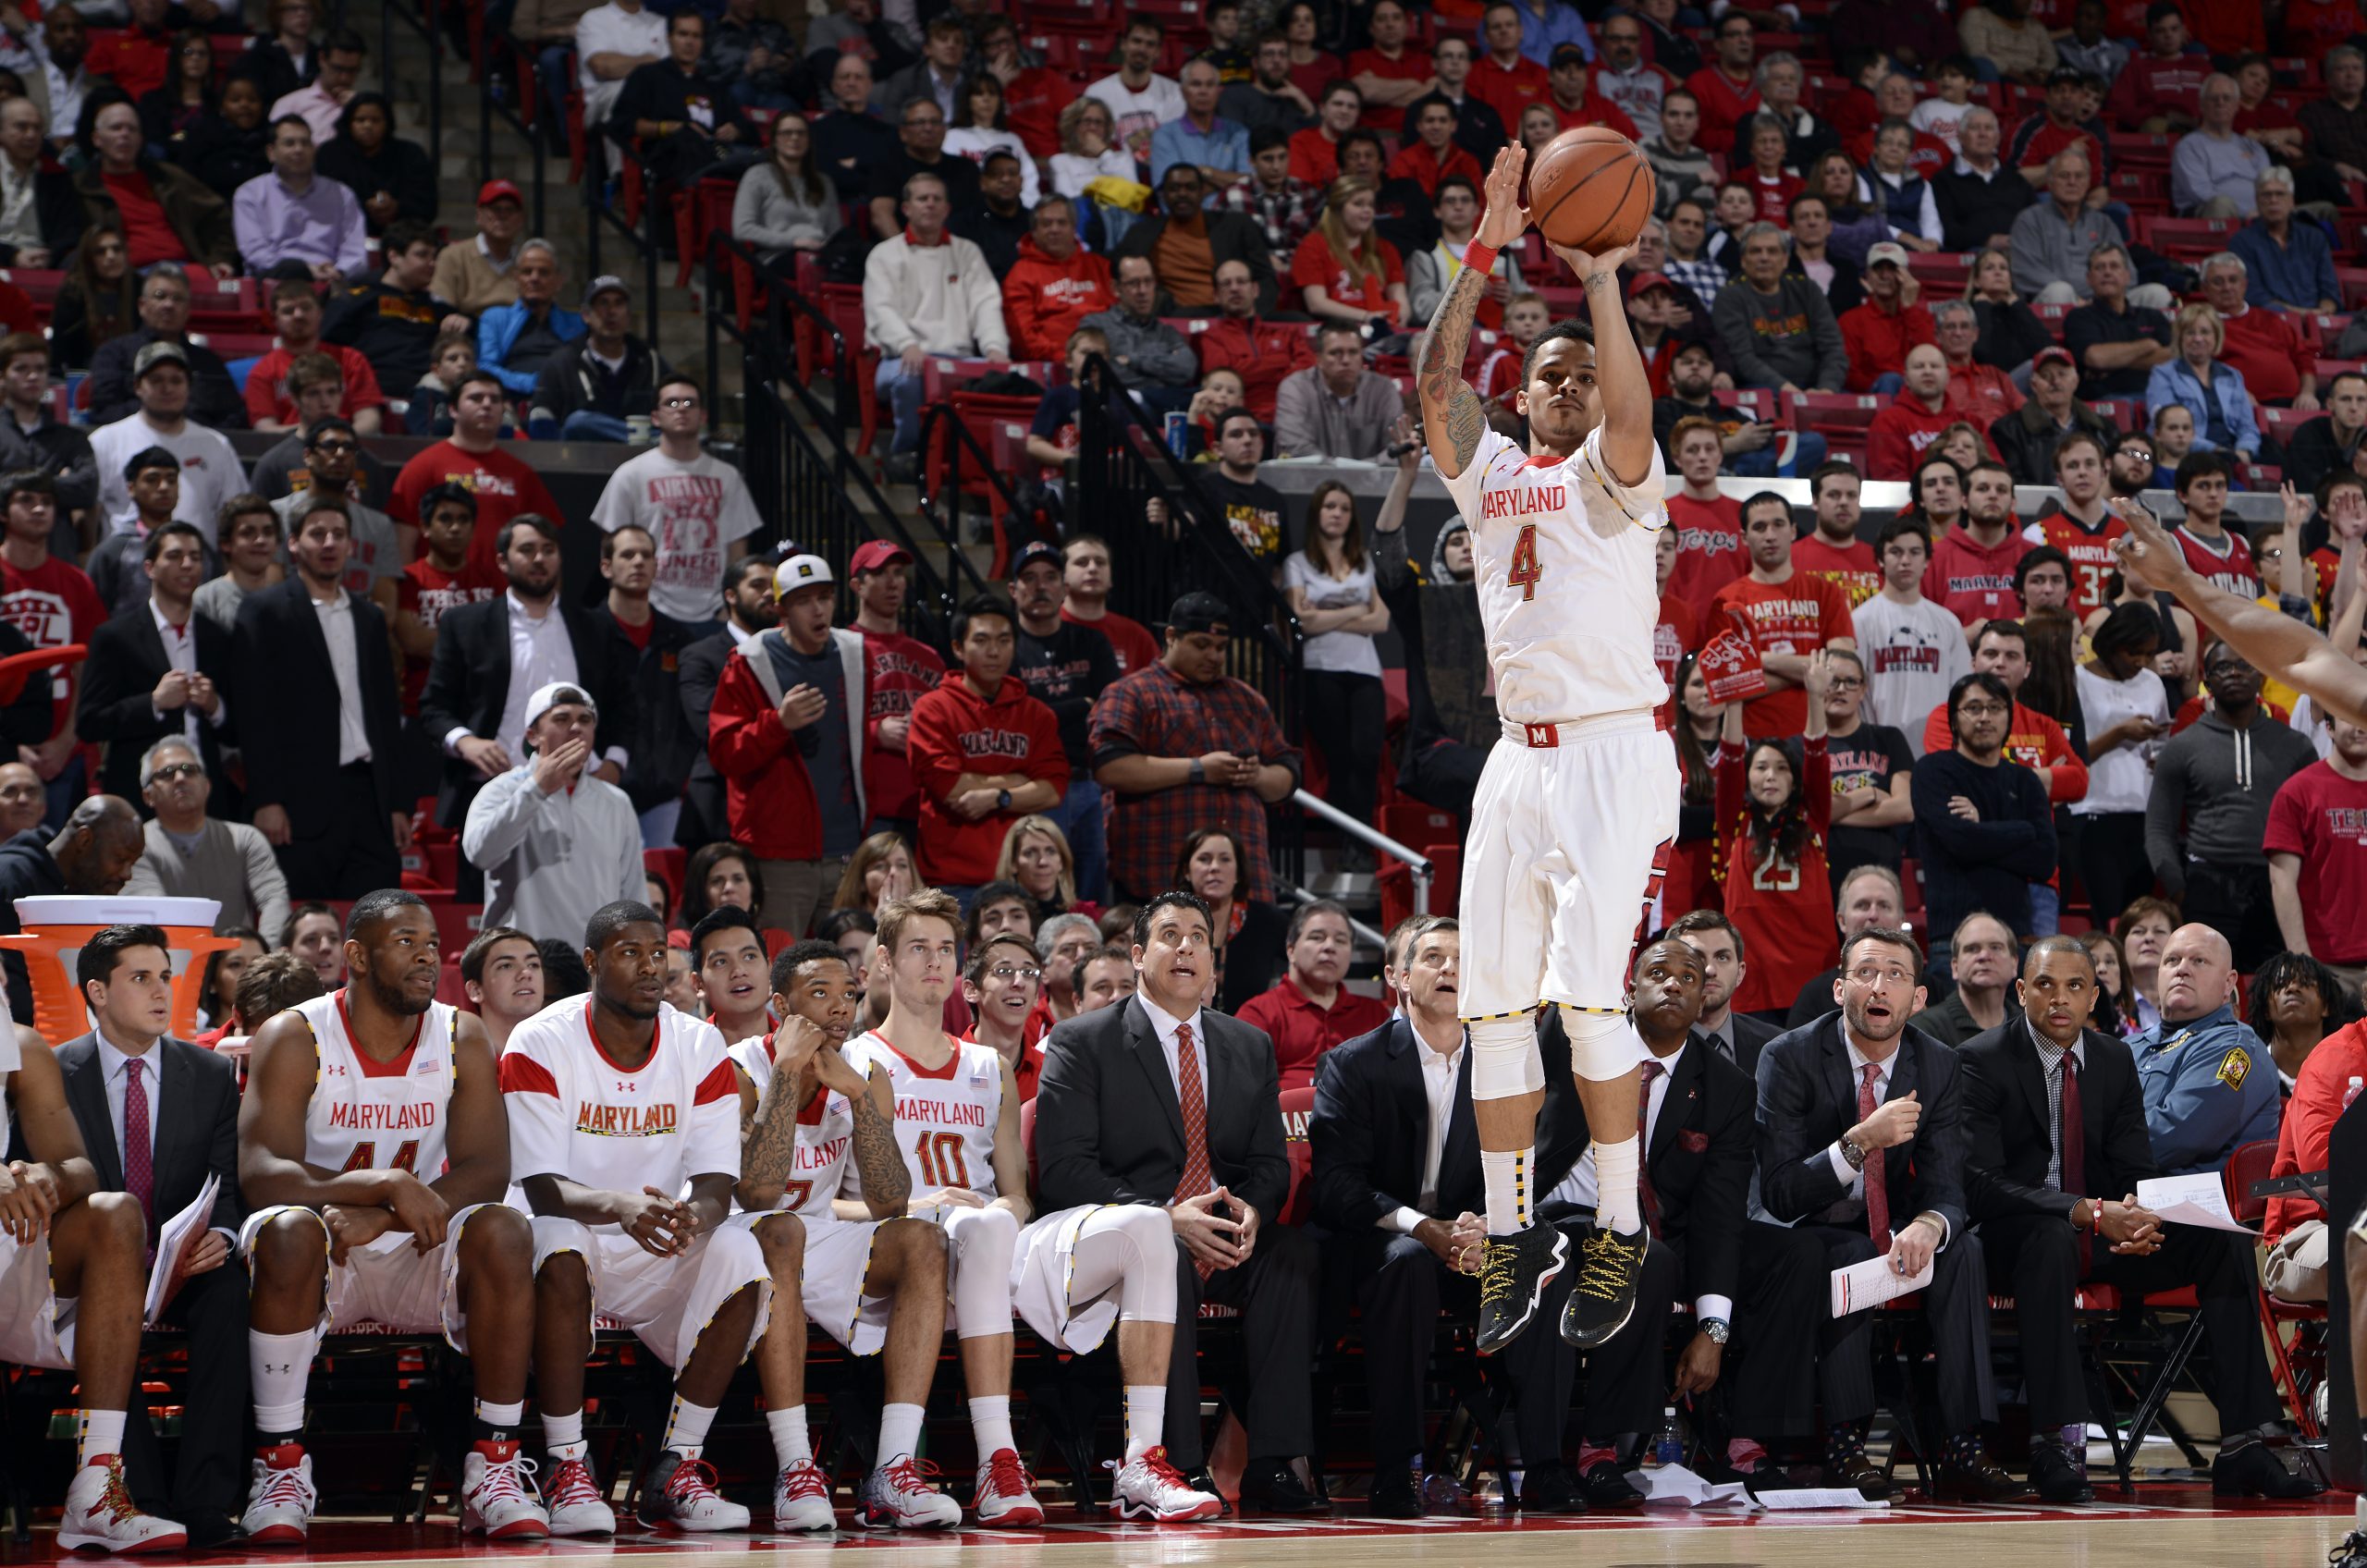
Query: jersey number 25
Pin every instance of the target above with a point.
(1524, 568)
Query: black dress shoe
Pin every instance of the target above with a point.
(1270, 1486)
(1513, 1272)
(1199, 1480)
(1982, 1480)
(1859, 1474)
(207, 1528)
(1549, 1488)
(1393, 1496)
(2252, 1469)
(2058, 1475)
(1607, 1486)
(1610, 1265)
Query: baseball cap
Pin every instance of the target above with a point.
(2054, 354)
(1644, 280)
(1568, 55)
(1888, 250)
(1037, 550)
(1199, 612)
(872, 554)
(608, 282)
(799, 571)
(2067, 75)
(494, 190)
(552, 695)
(158, 353)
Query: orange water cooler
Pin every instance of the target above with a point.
(55, 927)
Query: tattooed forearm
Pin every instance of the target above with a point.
(767, 1152)
(1453, 416)
(887, 1181)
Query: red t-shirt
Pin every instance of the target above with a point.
(1314, 157)
(151, 239)
(2090, 553)
(1972, 582)
(1849, 567)
(1602, 112)
(1411, 64)
(1795, 617)
(1677, 635)
(1508, 92)
(1130, 640)
(54, 604)
(2322, 816)
(1775, 195)
(1709, 548)
(2225, 564)
(503, 487)
(900, 669)
(1315, 266)
(427, 590)
(1783, 907)
(1725, 104)
(267, 396)
(1302, 1032)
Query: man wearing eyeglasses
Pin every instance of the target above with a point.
(1983, 828)
(1001, 982)
(193, 855)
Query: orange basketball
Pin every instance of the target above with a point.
(1591, 189)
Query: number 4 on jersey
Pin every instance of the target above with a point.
(365, 1158)
(1524, 568)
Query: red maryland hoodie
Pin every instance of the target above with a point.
(954, 732)
(1043, 300)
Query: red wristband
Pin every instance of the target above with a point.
(1480, 256)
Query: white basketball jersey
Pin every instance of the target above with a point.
(378, 1116)
(825, 1135)
(945, 1117)
(1562, 556)
(574, 1112)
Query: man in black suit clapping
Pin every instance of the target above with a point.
(2054, 1119)
(1861, 1145)
(1157, 1101)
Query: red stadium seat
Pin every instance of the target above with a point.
(2282, 423)
(1297, 1105)
(2187, 239)
(1846, 413)
(2126, 414)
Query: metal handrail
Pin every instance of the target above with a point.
(1370, 935)
(1420, 864)
(422, 18)
(948, 523)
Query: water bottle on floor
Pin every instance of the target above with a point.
(1668, 1446)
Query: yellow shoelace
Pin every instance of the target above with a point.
(1499, 1270)
(1609, 1261)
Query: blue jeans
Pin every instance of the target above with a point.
(658, 824)
(1761, 464)
(1888, 383)
(903, 395)
(2046, 910)
(1079, 816)
(585, 424)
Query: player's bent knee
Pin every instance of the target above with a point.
(290, 1248)
(117, 1217)
(496, 1234)
(782, 1237)
(1151, 1229)
(1504, 1063)
(1603, 1046)
(563, 1278)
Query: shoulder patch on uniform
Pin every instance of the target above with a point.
(2234, 1067)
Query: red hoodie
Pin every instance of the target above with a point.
(954, 732)
(1043, 300)
(1901, 433)
(1260, 352)
(1973, 582)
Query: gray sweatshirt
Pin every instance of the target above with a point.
(1787, 336)
(549, 861)
(2211, 787)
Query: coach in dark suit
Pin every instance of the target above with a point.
(129, 699)
(1737, 1037)
(125, 1078)
(470, 681)
(1112, 1128)
(1861, 1145)
(748, 608)
(319, 729)
(1397, 1184)
(2055, 1125)
(1750, 1284)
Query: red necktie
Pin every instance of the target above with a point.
(1195, 1125)
(138, 1172)
(1877, 1194)
(2074, 1153)
(1644, 1192)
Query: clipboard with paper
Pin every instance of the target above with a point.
(176, 1240)
(2200, 1200)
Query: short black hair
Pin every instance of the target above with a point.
(479, 952)
(451, 493)
(26, 482)
(794, 957)
(148, 458)
(325, 425)
(1906, 525)
(1884, 935)
(1265, 138)
(177, 528)
(2003, 626)
(1767, 497)
(1174, 898)
(534, 521)
(733, 574)
(563, 972)
(403, 233)
(300, 913)
(977, 604)
(99, 955)
(2044, 555)
(2126, 628)
(1980, 680)
(2198, 465)
(377, 903)
(722, 918)
(611, 918)
(1561, 331)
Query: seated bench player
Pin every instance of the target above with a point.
(871, 1277)
(618, 1107)
(73, 1292)
(374, 1148)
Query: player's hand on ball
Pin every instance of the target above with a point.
(1588, 265)
(1504, 220)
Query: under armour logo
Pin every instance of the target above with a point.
(282, 1367)
(623, 1088)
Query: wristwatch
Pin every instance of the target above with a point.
(1199, 772)
(1854, 1153)
(1716, 1329)
(1002, 800)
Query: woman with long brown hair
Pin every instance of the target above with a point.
(99, 299)
(1246, 936)
(1692, 879)
(1343, 270)
(784, 205)
(880, 869)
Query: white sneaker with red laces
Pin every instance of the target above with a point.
(497, 1499)
(280, 1498)
(101, 1515)
(1004, 1497)
(577, 1508)
(898, 1496)
(801, 1499)
(1151, 1488)
(681, 1495)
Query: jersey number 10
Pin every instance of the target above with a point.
(942, 1164)
(1524, 569)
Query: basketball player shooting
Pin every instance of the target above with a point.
(1577, 804)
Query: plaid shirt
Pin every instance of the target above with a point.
(1286, 215)
(1153, 713)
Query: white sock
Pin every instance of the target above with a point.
(1507, 1173)
(563, 1434)
(899, 1432)
(686, 1427)
(790, 1445)
(502, 1418)
(1614, 1174)
(278, 1366)
(1146, 1417)
(991, 1422)
(101, 1432)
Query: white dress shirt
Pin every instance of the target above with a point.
(180, 652)
(345, 659)
(1166, 1024)
(1854, 1181)
(1439, 1075)
(541, 652)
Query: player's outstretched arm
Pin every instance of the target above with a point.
(1453, 416)
(2272, 640)
(1620, 381)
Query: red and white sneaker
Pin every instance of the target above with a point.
(497, 1499)
(1151, 1488)
(1005, 1497)
(576, 1506)
(681, 1495)
(899, 1497)
(801, 1499)
(100, 1514)
(280, 1498)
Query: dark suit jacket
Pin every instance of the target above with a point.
(127, 660)
(468, 682)
(1700, 1165)
(1808, 1098)
(285, 694)
(1751, 1035)
(1108, 1128)
(195, 1111)
(664, 744)
(701, 671)
(1232, 237)
(1371, 1128)
(2008, 1135)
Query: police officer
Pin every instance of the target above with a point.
(2209, 1085)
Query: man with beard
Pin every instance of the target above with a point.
(372, 1143)
(1983, 829)
(1973, 566)
(2131, 467)
(502, 973)
(1879, 1173)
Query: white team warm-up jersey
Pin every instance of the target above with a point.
(1562, 554)
(945, 1120)
(369, 1116)
(577, 1114)
(825, 1135)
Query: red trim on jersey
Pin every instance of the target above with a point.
(371, 1066)
(723, 1082)
(940, 1074)
(1533, 460)
(810, 1113)
(523, 1074)
(657, 1038)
